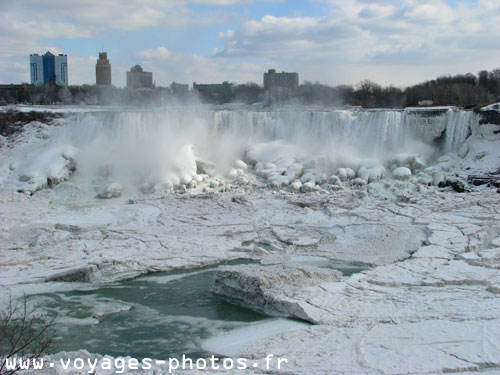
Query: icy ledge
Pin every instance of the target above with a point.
(273, 290)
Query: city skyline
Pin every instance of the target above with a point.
(334, 42)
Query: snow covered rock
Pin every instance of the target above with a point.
(296, 185)
(295, 237)
(113, 190)
(239, 164)
(334, 180)
(273, 290)
(376, 173)
(205, 167)
(401, 173)
(313, 176)
(359, 182)
(47, 168)
(345, 174)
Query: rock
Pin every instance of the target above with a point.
(376, 173)
(359, 182)
(417, 164)
(480, 155)
(259, 251)
(233, 174)
(240, 199)
(113, 190)
(13, 166)
(478, 180)
(307, 187)
(294, 171)
(295, 237)
(401, 173)
(239, 164)
(457, 185)
(81, 274)
(334, 180)
(462, 152)
(345, 174)
(424, 179)
(205, 167)
(296, 185)
(313, 176)
(363, 174)
(273, 290)
(438, 178)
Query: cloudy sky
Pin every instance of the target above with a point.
(398, 42)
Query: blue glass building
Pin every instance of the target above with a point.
(49, 68)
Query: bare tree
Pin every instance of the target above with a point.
(24, 333)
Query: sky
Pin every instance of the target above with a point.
(391, 42)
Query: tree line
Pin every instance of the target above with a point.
(463, 90)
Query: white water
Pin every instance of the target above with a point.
(138, 147)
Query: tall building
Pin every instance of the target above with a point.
(139, 79)
(103, 70)
(49, 68)
(273, 79)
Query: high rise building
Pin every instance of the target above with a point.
(273, 79)
(139, 79)
(49, 68)
(103, 70)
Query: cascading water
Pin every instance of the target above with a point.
(160, 148)
(459, 125)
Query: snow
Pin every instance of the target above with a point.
(492, 107)
(233, 342)
(401, 173)
(295, 200)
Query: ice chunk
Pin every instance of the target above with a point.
(239, 164)
(272, 289)
(401, 173)
(113, 190)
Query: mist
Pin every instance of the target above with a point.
(164, 149)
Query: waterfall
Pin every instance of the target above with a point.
(147, 146)
(459, 125)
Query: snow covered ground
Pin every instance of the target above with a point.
(428, 301)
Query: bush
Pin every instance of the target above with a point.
(24, 333)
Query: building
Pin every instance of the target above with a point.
(273, 79)
(139, 79)
(179, 88)
(12, 93)
(49, 68)
(103, 70)
(215, 92)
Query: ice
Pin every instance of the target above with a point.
(179, 149)
(401, 173)
(234, 342)
(424, 301)
(492, 107)
(275, 289)
(46, 167)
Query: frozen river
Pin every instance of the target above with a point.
(111, 218)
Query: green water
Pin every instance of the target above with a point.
(159, 316)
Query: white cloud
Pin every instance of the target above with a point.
(157, 53)
(409, 40)
(188, 68)
(80, 69)
(118, 14)
(388, 41)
